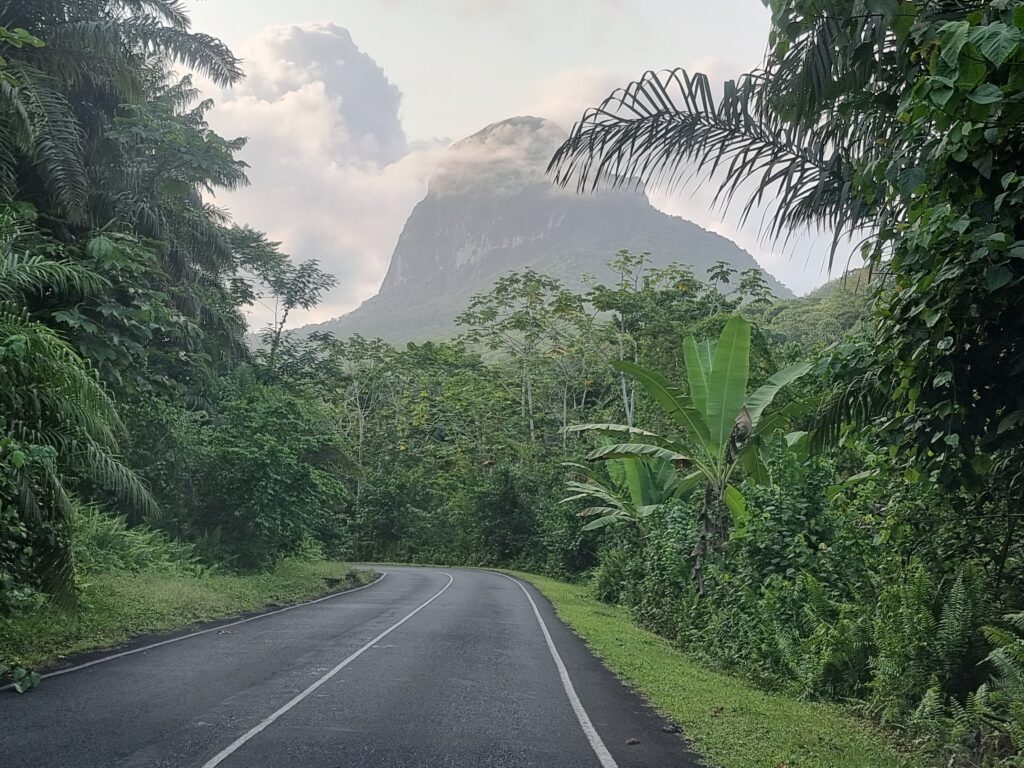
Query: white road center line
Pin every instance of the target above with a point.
(234, 746)
(189, 636)
(603, 755)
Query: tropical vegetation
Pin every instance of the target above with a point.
(818, 495)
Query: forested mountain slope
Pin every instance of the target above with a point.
(826, 313)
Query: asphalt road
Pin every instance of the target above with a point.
(427, 667)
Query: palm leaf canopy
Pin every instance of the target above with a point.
(669, 129)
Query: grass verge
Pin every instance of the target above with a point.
(117, 606)
(731, 723)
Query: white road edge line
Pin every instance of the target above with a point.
(233, 746)
(603, 755)
(189, 636)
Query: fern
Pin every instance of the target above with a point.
(1007, 684)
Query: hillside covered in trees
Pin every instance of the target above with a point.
(821, 496)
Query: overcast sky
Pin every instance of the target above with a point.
(347, 104)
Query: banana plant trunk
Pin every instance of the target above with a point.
(712, 529)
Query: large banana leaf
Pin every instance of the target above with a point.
(764, 395)
(727, 384)
(782, 418)
(593, 491)
(698, 370)
(591, 511)
(637, 481)
(663, 478)
(706, 352)
(753, 464)
(672, 401)
(601, 522)
(616, 430)
(685, 486)
(636, 451)
(738, 507)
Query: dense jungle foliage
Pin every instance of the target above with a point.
(822, 495)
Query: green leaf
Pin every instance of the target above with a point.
(911, 179)
(697, 372)
(972, 70)
(727, 384)
(997, 277)
(688, 484)
(796, 439)
(982, 464)
(738, 507)
(635, 451)
(753, 465)
(764, 395)
(995, 41)
(671, 401)
(706, 353)
(954, 37)
(601, 522)
(635, 477)
(100, 248)
(904, 21)
(860, 477)
(986, 93)
(781, 418)
(611, 429)
(1010, 421)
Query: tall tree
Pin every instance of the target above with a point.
(526, 315)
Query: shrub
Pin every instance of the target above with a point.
(104, 543)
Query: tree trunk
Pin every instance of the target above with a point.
(529, 406)
(1011, 529)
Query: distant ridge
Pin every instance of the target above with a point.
(490, 209)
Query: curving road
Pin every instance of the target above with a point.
(427, 667)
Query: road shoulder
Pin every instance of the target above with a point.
(731, 723)
(122, 611)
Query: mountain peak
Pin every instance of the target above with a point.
(490, 208)
(513, 129)
(503, 158)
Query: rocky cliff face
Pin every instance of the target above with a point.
(490, 210)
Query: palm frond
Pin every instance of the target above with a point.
(22, 274)
(856, 403)
(668, 129)
(170, 12)
(52, 400)
(56, 139)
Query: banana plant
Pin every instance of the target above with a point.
(630, 493)
(721, 430)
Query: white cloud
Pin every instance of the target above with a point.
(333, 175)
(565, 96)
(501, 158)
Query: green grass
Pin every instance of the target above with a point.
(117, 606)
(731, 723)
